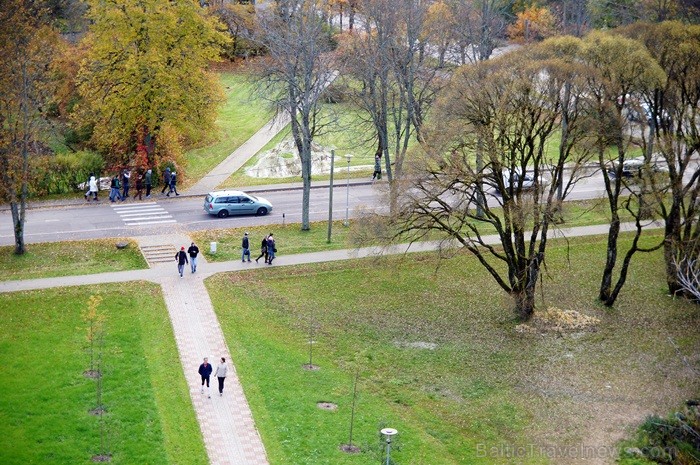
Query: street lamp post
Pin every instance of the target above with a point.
(348, 157)
(388, 433)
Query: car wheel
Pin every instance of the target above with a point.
(223, 214)
(262, 211)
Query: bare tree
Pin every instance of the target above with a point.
(619, 69)
(670, 117)
(480, 25)
(508, 108)
(295, 72)
(398, 79)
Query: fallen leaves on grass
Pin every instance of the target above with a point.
(556, 320)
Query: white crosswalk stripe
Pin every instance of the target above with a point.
(143, 214)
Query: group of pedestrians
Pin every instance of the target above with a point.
(182, 260)
(120, 185)
(205, 371)
(268, 248)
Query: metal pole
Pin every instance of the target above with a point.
(330, 200)
(347, 197)
(388, 450)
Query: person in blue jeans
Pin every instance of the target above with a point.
(193, 251)
(181, 259)
(270, 249)
(114, 189)
(245, 245)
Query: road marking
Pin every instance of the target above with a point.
(143, 214)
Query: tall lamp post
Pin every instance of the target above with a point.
(388, 433)
(348, 157)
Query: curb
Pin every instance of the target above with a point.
(251, 189)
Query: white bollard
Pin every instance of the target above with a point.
(212, 247)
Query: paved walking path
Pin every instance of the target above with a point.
(239, 157)
(226, 422)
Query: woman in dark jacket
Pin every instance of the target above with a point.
(263, 250)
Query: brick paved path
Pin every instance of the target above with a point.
(226, 422)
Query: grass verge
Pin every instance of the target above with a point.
(45, 397)
(292, 240)
(441, 361)
(239, 118)
(50, 259)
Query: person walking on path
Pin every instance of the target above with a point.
(166, 180)
(126, 176)
(114, 189)
(181, 259)
(139, 187)
(173, 184)
(270, 249)
(205, 370)
(193, 251)
(92, 187)
(377, 168)
(221, 371)
(263, 250)
(245, 245)
(149, 182)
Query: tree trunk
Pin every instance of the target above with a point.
(18, 226)
(306, 193)
(611, 259)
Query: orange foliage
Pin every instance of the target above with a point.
(532, 24)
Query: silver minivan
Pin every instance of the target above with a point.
(225, 203)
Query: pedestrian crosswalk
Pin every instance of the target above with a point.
(143, 214)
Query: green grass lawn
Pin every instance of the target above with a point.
(441, 361)
(45, 399)
(240, 117)
(51, 259)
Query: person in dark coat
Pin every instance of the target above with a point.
(193, 251)
(114, 189)
(173, 184)
(205, 370)
(271, 249)
(263, 250)
(377, 168)
(245, 245)
(126, 179)
(166, 180)
(139, 187)
(149, 182)
(181, 259)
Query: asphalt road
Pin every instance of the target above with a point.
(160, 214)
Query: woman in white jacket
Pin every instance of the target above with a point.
(220, 374)
(92, 188)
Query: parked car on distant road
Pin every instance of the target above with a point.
(225, 203)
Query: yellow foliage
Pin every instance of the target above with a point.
(532, 24)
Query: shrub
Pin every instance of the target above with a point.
(63, 173)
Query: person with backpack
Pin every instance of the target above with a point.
(263, 250)
(245, 245)
(181, 259)
(114, 189)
